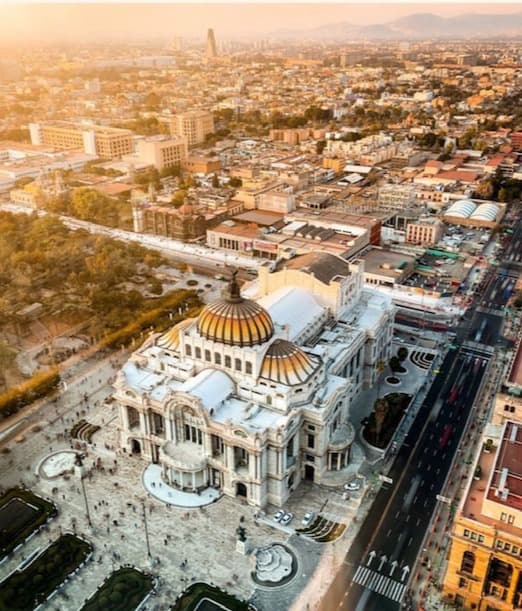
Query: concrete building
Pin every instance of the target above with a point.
(425, 231)
(484, 569)
(477, 213)
(162, 152)
(107, 142)
(193, 125)
(200, 164)
(253, 396)
(211, 44)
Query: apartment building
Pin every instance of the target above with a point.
(106, 142)
(484, 570)
(162, 152)
(424, 231)
(193, 125)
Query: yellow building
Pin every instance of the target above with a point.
(427, 231)
(193, 125)
(106, 142)
(484, 569)
(162, 152)
(334, 163)
(199, 164)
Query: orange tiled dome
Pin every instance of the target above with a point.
(286, 363)
(235, 321)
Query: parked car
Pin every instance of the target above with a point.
(352, 486)
(278, 515)
(308, 518)
(287, 518)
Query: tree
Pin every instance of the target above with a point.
(402, 353)
(380, 367)
(7, 357)
(235, 182)
(395, 364)
(178, 198)
(320, 145)
(381, 409)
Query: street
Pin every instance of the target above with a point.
(378, 566)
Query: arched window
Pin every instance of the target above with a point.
(198, 353)
(188, 350)
(468, 562)
(207, 356)
(217, 358)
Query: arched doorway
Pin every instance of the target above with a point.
(309, 473)
(241, 490)
(135, 446)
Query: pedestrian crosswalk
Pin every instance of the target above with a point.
(390, 588)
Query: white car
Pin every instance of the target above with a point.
(278, 515)
(308, 518)
(352, 486)
(287, 518)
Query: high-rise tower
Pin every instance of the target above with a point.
(211, 44)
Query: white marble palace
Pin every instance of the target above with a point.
(254, 394)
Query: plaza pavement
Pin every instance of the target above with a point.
(204, 537)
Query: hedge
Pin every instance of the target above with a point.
(124, 590)
(159, 318)
(40, 385)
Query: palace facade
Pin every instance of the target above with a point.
(254, 394)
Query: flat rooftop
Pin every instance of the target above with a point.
(264, 218)
(506, 481)
(375, 259)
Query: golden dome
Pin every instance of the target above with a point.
(170, 339)
(286, 363)
(235, 321)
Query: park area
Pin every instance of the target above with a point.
(203, 597)
(124, 590)
(30, 586)
(21, 514)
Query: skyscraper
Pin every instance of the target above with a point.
(211, 44)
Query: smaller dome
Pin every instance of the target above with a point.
(170, 339)
(486, 212)
(286, 363)
(464, 208)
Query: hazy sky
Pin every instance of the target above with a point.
(91, 21)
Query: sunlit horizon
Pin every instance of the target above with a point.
(85, 23)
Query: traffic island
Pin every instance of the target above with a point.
(385, 418)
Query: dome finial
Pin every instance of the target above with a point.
(233, 288)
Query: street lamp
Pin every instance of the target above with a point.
(79, 464)
(146, 529)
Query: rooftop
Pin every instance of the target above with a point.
(324, 266)
(506, 481)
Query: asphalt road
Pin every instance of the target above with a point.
(377, 568)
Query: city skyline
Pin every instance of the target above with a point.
(79, 22)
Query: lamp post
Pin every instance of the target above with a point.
(79, 464)
(146, 528)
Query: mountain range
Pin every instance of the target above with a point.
(420, 26)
